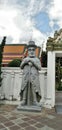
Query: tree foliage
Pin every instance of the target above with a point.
(44, 59)
(59, 73)
(15, 63)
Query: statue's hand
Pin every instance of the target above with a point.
(29, 63)
(27, 60)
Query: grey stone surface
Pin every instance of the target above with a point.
(30, 87)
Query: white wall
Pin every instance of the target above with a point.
(11, 83)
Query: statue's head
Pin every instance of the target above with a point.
(31, 48)
(31, 44)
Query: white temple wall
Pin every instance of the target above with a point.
(11, 84)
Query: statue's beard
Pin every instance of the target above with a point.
(32, 55)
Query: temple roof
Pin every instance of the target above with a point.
(15, 51)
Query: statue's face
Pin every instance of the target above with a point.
(31, 51)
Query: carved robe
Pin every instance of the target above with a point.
(30, 73)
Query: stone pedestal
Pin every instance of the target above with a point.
(29, 108)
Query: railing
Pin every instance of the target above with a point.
(11, 83)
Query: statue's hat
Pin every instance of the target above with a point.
(31, 44)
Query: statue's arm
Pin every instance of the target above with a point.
(36, 63)
(24, 62)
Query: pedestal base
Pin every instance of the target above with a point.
(30, 108)
(58, 108)
(47, 103)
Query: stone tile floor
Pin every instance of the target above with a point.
(12, 119)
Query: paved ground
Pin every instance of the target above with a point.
(12, 119)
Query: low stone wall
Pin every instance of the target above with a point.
(11, 83)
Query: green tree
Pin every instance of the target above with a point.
(44, 59)
(1, 54)
(15, 63)
(58, 74)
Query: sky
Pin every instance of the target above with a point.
(24, 20)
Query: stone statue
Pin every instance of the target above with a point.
(30, 87)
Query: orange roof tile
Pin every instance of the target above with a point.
(15, 51)
(12, 51)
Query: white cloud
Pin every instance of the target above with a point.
(38, 36)
(16, 21)
(7, 25)
(17, 18)
(55, 12)
(34, 7)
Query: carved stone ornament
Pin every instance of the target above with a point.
(55, 43)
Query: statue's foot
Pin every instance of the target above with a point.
(35, 103)
(22, 102)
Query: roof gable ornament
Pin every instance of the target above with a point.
(55, 43)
